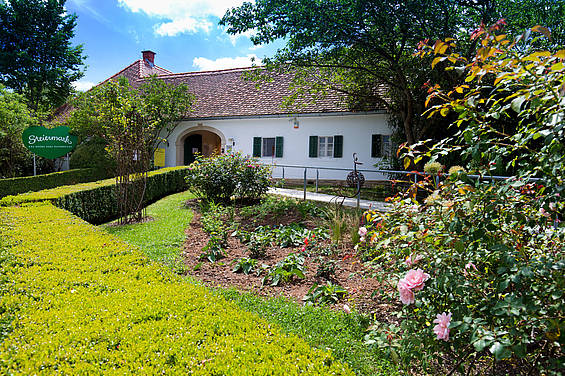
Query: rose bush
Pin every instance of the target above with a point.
(220, 178)
(493, 251)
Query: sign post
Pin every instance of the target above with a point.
(48, 143)
(159, 157)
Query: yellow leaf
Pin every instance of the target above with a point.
(459, 89)
(557, 66)
(444, 111)
(560, 54)
(406, 163)
(541, 29)
(436, 60)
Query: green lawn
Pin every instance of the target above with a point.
(162, 237)
(343, 334)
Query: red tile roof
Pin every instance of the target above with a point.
(227, 93)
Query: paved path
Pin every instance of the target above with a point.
(363, 204)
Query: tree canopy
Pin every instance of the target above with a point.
(360, 47)
(14, 118)
(37, 58)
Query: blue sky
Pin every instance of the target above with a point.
(184, 34)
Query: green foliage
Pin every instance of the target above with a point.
(326, 268)
(324, 294)
(285, 270)
(272, 206)
(362, 45)
(15, 186)
(495, 262)
(528, 89)
(93, 154)
(83, 301)
(214, 250)
(37, 58)
(322, 328)
(219, 177)
(96, 202)
(245, 265)
(14, 118)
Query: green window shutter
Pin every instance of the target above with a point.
(313, 147)
(257, 147)
(338, 146)
(376, 146)
(279, 147)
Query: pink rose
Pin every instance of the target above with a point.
(413, 260)
(442, 328)
(362, 231)
(406, 295)
(415, 278)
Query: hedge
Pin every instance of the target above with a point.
(15, 186)
(84, 302)
(96, 202)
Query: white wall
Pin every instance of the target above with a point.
(355, 129)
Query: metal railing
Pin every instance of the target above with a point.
(414, 175)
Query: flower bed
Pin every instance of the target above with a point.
(83, 301)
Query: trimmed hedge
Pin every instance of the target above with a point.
(96, 202)
(15, 186)
(83, 302)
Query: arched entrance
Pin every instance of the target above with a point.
(199, 140)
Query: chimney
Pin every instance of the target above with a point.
(149, 57)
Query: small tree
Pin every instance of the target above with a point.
(133, 122)
(14, 118)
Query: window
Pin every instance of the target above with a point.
(325, 146)
(380, 146)
(268, 147)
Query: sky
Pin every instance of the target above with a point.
(184, 34)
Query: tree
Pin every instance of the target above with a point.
(359, 47)
(36, 55)
(14, 118)
(133, 122)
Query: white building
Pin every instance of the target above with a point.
(233, 114)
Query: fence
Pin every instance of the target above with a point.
(385, 176)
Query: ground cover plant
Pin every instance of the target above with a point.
(83, 301)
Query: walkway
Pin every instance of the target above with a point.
(352, 202)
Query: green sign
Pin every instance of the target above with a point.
(49, 143)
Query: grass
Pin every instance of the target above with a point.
(161, 238)
(320, 327)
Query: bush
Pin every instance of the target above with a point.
(96, 202)
(93, 154)
(15, 186)
(83, 302)
(490, 260)
(220, 177)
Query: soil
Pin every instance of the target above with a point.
(350, 273)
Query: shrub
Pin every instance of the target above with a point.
(220, 177)
(15, 186)
(84, 302)
(93, 154)
(96, 202)
(485, 264)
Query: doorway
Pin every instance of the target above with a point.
(192, 146)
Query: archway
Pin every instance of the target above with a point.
(201, 140)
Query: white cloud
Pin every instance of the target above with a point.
(181, 16)
(225, 62)
(83, 85)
